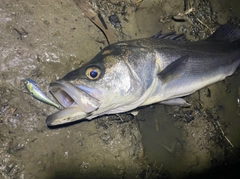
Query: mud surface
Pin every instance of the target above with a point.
(43, 40)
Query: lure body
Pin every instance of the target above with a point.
(37, 93)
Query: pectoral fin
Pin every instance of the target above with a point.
(174, 70)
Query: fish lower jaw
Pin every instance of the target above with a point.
(66, 115)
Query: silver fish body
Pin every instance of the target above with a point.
(126, 75)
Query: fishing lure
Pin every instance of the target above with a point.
(37, 93)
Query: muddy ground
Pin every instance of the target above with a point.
(43, 40)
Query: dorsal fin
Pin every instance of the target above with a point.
(226, 32)
(170, 36)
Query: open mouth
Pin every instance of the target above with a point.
(79, 102)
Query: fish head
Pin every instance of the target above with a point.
(105, 85)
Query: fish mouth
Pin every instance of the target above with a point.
(78, 101)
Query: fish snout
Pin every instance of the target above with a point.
(79, 102)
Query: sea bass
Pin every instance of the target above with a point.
(130, 74)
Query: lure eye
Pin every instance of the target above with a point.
(93, 73)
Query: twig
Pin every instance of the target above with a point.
(138, 2)
(156, 123)
(230, 143)
(97, 19)
(204, 25)
(24, 32)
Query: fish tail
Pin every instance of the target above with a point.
(226, 32)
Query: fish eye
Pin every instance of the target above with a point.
(93, 73)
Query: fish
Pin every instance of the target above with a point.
(37, 93)
(159, 69)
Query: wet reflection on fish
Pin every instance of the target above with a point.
(35, 91)
(130, 74)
